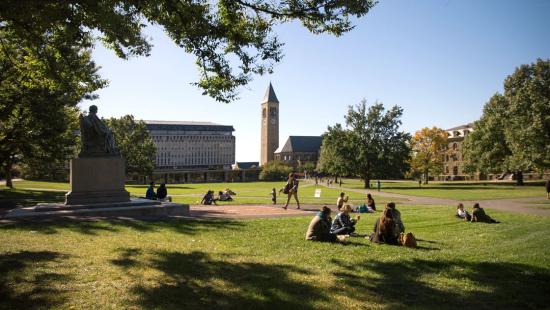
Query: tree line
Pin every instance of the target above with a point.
(512, 135)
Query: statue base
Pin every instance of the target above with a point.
(97, 180)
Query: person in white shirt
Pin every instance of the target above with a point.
(461, 213)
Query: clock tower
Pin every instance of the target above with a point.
(270, 126)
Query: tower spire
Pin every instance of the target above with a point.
(270, 95)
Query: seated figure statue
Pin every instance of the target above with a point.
(96, 139)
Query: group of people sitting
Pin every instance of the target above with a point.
(161, 194)
(478, 214)
(387, 229)
(368, 208)
(209, 198)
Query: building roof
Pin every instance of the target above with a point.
(247, 164)
(270, 95)
(186, 126)
(302, 144)
(467, 126)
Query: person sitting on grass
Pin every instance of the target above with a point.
(479, 215)
(208, 199)
(370, 202)
(162, 193)
(319, 227)
(343, 224)
(461, 213)
(150, 193)
(341, 200)
(385, 229)
(396, 216)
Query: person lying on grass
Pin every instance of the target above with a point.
(319, 227)
(385, 229)
(479, 215)
(343, 224)
(461, 213)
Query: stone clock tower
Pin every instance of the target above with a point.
(270, 126)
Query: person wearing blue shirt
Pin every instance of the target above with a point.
(150, 194)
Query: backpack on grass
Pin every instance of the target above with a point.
(408, 240)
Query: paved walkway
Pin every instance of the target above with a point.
(519, 205)
(249, 211)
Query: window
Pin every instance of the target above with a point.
(272, 111)
(264, 113)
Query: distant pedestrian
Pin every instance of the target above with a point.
(419, 183)
(274, 196)
(378, 185)
(548, 188)
(150, 193)
(292, 186)
(340, 182)
(316, 180)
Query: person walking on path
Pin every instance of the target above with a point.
(378, 185)
(292, 186)
(548, 189)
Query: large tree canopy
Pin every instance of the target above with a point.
(428, 148)
(231, 39)
(370, 147)
(513, 134)
(135, 144)
(39, 89)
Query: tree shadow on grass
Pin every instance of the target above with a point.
(402, 284)
(95, 226)
(23, 286)
(195, 280)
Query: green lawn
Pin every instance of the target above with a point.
(266, 263)
(247, 193)
(457, 190)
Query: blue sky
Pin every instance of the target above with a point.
(439, 60)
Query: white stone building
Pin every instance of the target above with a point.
(192, 151)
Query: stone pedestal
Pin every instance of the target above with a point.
(97, 180)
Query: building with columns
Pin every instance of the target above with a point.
(192, 151)
(270, 126)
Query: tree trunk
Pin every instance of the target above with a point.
(426, 177)
(519, 178)
(8, 174)
(367, 182)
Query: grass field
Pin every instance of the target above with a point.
(266, 263)
(457, 190)
(29, 192)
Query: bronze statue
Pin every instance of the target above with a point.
(96, 139)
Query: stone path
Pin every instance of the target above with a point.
(248, 211)
(519, 205)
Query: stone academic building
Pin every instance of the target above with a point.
(190, 152)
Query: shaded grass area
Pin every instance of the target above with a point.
(458, 190)
(29, 193)
(266, 263)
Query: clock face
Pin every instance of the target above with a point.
(273, 121)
